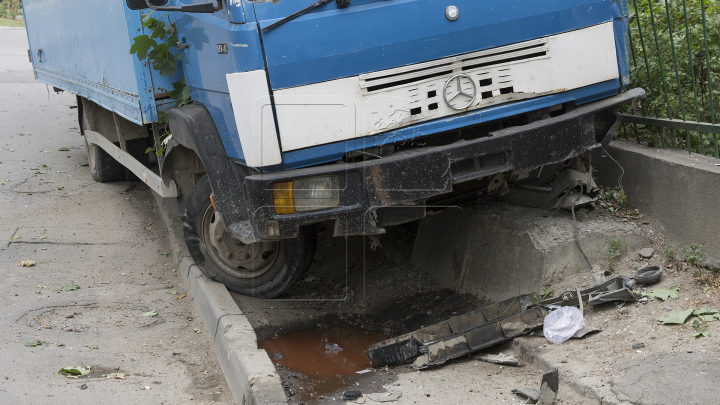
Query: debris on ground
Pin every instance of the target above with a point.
(27, 263)
(150, 314)
(119, 376)
(646, 253)
(33, 343)
(332, 347)
(504, 359)
(648, 275)
(74, 371)
(664, 293)
(69, 287)
(367, 370)
(461, 335)
(547, 394)
(351, 395)
(638, 345)
(84, 386)
(561, 324)
(385, 396)
(492, 325)
(616, 289)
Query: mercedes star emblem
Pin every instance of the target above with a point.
(457, 87)
(452, 13)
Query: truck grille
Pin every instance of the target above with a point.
(487, 59)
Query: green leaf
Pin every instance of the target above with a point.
(149, 150)
(69, 287)
(709, 318)
(142, 45)
(677, 318)
(150, 314)
(63, 150)
(197, 330)
(33, 343)
(705, 310)
(79, 370)
(701, 334)
(162, 118)
(664, 293)
(165, 253)
(181, 93)
(166, 67)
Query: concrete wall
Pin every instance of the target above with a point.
(499, 250)
(679, 190)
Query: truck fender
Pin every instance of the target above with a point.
(192, 126)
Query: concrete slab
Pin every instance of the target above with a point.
(497, 250)
(668, 378)
(671, 185)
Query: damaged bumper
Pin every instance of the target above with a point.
(392, 190)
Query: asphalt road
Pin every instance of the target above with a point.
(109, 240)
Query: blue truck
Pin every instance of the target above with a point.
(360, 115)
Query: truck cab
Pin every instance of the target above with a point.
(366, 114)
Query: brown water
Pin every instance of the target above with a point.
(304, 352)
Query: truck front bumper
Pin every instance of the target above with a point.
(407, 178)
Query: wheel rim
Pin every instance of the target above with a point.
(230, 254)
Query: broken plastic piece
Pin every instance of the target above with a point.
(408, 346)
(528, 393)
(385, 396)
(548, 389)
(332, 347)
(504, 359)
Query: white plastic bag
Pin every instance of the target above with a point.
(562, 323)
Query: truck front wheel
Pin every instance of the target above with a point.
(264, 269)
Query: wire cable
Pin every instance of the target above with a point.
(572, 209)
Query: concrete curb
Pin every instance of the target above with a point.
(248, 370)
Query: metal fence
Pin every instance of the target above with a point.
(675, 57)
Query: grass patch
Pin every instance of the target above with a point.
(6, 22)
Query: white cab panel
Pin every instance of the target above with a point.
(370, 104)
(250, 97)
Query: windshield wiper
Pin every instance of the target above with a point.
(338, 3)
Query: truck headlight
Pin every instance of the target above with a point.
(309, 194)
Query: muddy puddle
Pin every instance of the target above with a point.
(321, 361)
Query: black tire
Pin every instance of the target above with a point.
(270, 276)
(103, 167)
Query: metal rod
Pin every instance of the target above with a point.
(695, 126)
(692, 72)
(662, 69)
(709, 74)
(677, 71)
